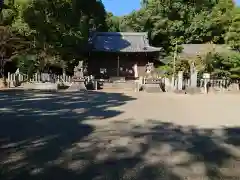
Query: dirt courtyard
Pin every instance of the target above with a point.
(125, 136)
(209, 111)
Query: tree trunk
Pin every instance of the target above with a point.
(3, 82)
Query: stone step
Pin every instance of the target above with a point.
(152, 88)
(124, 86)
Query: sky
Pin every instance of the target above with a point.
(124, 7)
(121, 7)
(238, 2)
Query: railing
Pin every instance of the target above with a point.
(186, 82)
(218, 83)
(39, 77)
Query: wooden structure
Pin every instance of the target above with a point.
(118, 54)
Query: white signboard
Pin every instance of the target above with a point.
(206, 75)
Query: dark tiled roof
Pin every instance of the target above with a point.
(122, 42)
(197, 49)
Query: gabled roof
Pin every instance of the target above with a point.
(198, 49)
(122, 42)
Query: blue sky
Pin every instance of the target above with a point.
(238, 2)
(123, 7)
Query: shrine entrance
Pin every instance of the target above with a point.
(122, 54)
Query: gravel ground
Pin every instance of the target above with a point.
(105, 135)
(210, 110)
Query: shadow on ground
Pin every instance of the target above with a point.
(45, 136)
(36, 128)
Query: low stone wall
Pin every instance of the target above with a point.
(15, 80)
(193, 90)
(41, 86)
(129, 85)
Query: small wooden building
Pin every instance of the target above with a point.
(117, 54)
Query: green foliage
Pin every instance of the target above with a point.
(219, 65)
(55, 28)
(113, 23)
(27, 64)
(170, 22)
(233, 34)
(62, 27)
(57, 32)
(181, 64)
(227, 65)
(183, 21)
(10, 46)
(10, 43)
(135, 21)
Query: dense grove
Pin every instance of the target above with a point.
(37, 34)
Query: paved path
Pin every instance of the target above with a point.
(105, 135)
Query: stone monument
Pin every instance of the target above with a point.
(78, 79)
(135, 70)
(149, 68)
(180, 80)
(78, 71)
(193, 77)
(193, 89)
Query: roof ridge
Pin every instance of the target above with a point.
(203, 44)
(122, 42)
(121, 33)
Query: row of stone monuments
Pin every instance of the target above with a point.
(79, 80)
(205, 82)
(193, 78)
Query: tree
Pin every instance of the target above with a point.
(135, 21)
(233, 34)
(10, 46)
(62, 27)
(183, 21)
(113, 22)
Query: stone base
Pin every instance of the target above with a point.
(180, 91)
(77, 86)
(152, 88)
(2, 84)
(234, 87)
(124, 86)
(193, 90)
(41, 86)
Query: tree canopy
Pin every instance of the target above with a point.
(181, 21)
(58, 31)
(171, 22)
(55, 29)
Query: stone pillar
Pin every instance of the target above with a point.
(180, 80)
(193, 79)
(9, 79)
(135, 70)
(167, 84)
(36, 77)
(173, 83)
(206, 77)
(95, 85)
(193, 75)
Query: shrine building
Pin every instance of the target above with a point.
(117, 54)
